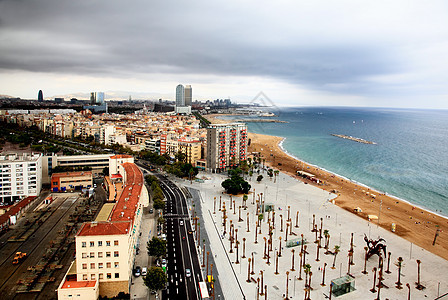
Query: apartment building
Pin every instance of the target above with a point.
(20, 176)
(226, 146)
(71, 181)
(191, 148)
(106, 248)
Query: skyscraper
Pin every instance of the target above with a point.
(180, 96)
(40, 96)
(100, 98)
(92, 98)
(188, 95)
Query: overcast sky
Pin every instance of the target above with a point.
(299, 52)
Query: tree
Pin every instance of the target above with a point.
(276, 172)
(156, 247)
(236, 184)
(159, 203)
(336, 251)
(270, 173)
(156, 279)
(106, 171)
(259, 178)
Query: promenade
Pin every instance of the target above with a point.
(288, 194)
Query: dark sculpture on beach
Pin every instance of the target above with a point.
(375, 247)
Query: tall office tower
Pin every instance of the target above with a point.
(92, 98)
(40, 96)
(226, 146)
(100, 98)
(180, 96)
(188, 95)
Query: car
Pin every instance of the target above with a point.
(183, 238)
(144, 271)
(187, 273)
(181, 223)
(163, 262)
(151, 211)
(137, 271)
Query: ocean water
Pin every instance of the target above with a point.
(409, 160)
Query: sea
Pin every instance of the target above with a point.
(409, 159)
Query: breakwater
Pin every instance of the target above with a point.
(355, 139)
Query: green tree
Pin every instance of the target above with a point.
(156, 279)
(236, 184)
(259, 178)
(156, 247)
(158, 203)
(270, 173)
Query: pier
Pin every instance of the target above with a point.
(351, 138)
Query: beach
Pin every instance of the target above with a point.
(412, 223)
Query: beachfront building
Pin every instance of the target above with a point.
(106, 247)
(20, 176)
(226, 146)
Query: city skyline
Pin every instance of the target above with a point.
(347, 53)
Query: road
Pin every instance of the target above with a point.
(181, 248)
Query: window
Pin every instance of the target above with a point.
(116, 264)
(100, 243)
(107, 243)
(107, 254)
(115, 243)
(84, 255)
(92, 276)
(116, 254)
(92, 244)
(55, 183)
(92, 254)
(84, 266)
(100, 254)
(83, 244)
(84, 276)
(108, 265)
(92, 266)
(117, 275)
(100, 265)
(100, 276)
(109, 275)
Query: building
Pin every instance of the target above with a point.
(180, 96)
(20, 176)
(191, 149)
(100, 98)
(92, 98)
(188, 95)
(106, 248)
(71, 181)
(226, 146)
(97, 162)
(40, 96)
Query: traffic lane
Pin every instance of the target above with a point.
(176, 286)
(196, 268)
(189, 253)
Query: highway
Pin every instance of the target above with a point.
(181, 249)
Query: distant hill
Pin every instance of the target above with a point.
(117, 95)
(7, 97)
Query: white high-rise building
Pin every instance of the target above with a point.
(20, 176)
(180, 96)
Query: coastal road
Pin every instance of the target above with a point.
(181, 248)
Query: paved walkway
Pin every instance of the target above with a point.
(287, 192)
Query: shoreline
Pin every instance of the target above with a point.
(416, 224)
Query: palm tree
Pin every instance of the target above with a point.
(307, 270)
(335, 253)
(244, 200)
(276, 174)
(326, 235)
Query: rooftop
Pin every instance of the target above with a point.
(74, 284)
(104, 228)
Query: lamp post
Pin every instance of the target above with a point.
(244, 248)
(292, 267)
(323, 275)
(253, 261)
(276, 264)
(373, 290)
(297, 219)
(287, 284)
(248, 271)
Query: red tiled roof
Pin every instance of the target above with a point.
(72, 284)
(113, 176)
(127, 202)
(14, 209)
(104, 228)
(121, 156)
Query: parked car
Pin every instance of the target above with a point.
(144, 271)
(137, 271)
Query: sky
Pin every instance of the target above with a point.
(298, 53)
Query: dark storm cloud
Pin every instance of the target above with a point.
(118, 38)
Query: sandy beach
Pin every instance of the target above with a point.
(414, 224)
